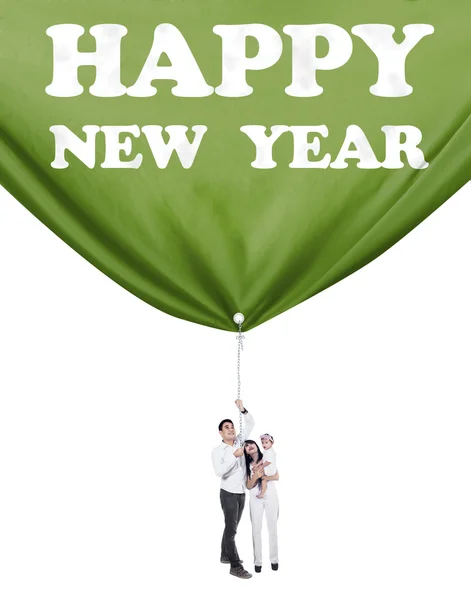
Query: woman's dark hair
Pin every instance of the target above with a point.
(248, 459)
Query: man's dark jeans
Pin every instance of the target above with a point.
(232, 506)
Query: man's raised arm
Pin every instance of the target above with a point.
(248, 420)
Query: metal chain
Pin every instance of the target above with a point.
(240, 347)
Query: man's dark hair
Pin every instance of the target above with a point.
(221, 424)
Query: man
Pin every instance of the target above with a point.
(229, 465)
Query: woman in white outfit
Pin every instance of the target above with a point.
(268, 504)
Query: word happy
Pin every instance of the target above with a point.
(190, 83)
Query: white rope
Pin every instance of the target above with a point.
(240, 347)
(239, 319)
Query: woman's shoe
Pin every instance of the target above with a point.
(274, 567)
(258, 569)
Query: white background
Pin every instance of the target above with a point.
(109, 413)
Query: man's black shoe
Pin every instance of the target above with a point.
(226, 561)
(258, 569)
(274, 567)
(240, 572)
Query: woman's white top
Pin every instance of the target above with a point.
(270, 470)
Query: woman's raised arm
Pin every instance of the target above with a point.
(252, 481)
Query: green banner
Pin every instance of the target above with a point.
(215, 157)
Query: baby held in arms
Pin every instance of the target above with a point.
(269, 460)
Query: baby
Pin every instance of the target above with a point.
(269, 460)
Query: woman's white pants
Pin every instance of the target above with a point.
(268, 505)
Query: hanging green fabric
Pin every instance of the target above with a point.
(139, 132)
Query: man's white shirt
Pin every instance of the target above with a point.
(230, 469)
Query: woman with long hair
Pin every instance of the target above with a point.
(268, 504)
